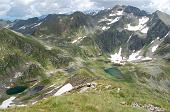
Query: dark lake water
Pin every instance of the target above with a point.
(36, 89)
(16, 90)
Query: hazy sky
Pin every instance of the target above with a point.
(22, 9)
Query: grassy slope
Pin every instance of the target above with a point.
(16, 49)
(91, 102)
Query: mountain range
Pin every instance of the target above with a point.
(116, 59)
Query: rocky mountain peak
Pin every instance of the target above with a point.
(163, 17)
(136, 11)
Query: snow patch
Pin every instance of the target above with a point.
(146, 59)
(134, 56)
(23, 27)
(166, 35)
(110, 20)
(155, 40)
(105, 19)
(41, 35)
(21, 105)
(145, 30)
(154, 48)
(111, 15)
(143, 20)
(34, 102)
(105, 28)
(52, 85)
(118, 13)
(141, 26)
(74, 41)
(132, 28)
(64, 89)
(117, 58)
(129, 38)
(5, 104)
(114, 21)
(78, 39)
(36, 25)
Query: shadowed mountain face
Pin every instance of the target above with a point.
(58, 53)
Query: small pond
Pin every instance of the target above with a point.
(114, 72)
(36, 89)
(16, 90)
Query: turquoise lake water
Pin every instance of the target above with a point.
(114, 72)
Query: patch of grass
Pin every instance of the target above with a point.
(84, 72)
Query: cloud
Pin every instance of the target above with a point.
(4, 9)
(22, 9)
(163, 5)
(30, 8)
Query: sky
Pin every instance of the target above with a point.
(23, 9)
